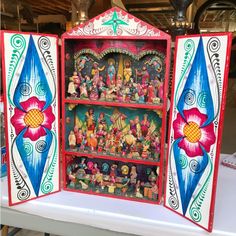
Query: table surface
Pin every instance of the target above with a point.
(67, 213)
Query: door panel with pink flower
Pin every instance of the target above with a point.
(197, 109)
(31, 73)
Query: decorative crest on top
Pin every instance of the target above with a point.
(116, 22)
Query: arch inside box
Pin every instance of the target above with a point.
(121, 71)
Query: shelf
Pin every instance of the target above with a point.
(144, 200)
(116, 104)
(114, 158)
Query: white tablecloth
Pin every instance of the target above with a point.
(133, 217)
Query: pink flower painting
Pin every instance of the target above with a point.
(33, 118)
(194, 134)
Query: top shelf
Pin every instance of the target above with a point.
(113, 103)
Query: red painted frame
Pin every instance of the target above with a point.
(6, 111)
(163, 36)
(220, 129)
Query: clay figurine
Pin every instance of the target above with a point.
(96, 72)
(145, 124)
(102, 120)
(83, 91)
(145, 152)
(144, 75)
(113, 172)
(93, 142)
(133, 175)
(81, 62)
(82, 164)
(79, 136)
(127, 71)
(72, 88)
(88, 82)
(157, 64)
(72, 139)
(119, 82)
(154, 190)
(101, 133)
(111, 72)
(150, 93)
(93, 92)
(90, 119)
(152, 177)
(138, 194)
(101, 145)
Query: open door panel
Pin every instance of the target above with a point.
(196, 120)
(30, 78)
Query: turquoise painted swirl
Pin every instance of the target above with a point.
(195, 208)
(183, 161)
(47, 184)
(173, 200)
(18, 44)
(189, 47)
(213, 47)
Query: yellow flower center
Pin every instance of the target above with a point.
(192, 132)
(34, 118)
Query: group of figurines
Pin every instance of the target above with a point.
(121, 132)
(109, 177)
(118, 80)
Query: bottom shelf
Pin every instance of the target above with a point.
(112, 178)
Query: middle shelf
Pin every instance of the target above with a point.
(114, 103)
(117, 133)
(114, 158)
